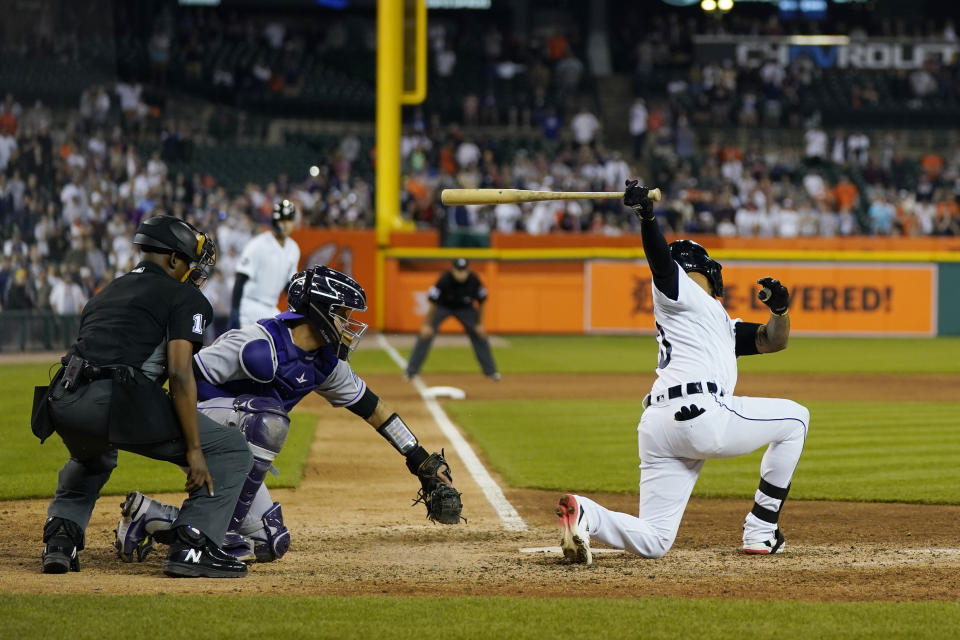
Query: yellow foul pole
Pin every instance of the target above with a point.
(389, 88)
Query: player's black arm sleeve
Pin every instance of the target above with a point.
(665, 275)
(238, 285)
(745, 334)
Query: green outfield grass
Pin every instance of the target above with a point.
(638, 354)
(864, 451)
(227, 617)
(30, 469)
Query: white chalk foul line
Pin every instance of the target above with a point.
(508, 515)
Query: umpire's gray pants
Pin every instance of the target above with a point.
(81, 420)
(468, 318)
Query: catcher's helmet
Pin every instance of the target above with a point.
(327, 298)
(693, 257)
(170, 234)
(283, 210)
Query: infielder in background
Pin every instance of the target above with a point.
(454, 294)
(691, 413)
(250, 378)
(266, 265)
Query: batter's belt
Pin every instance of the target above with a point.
(681, 391)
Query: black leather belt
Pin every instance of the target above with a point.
(677, 391)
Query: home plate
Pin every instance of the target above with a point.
(559, 550)
(444, 392)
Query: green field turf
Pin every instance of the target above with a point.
(30, 469)
(215, 617)
(638, 354)
(866, 451)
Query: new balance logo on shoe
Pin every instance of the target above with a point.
(193, 555)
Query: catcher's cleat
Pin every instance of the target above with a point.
(765, 547)
(576, 539)
(193, 555)
(239, 546)
(140, 518)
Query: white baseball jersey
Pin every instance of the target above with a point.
(269, 265)
(696, 336)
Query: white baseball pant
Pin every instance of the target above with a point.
(672, 453)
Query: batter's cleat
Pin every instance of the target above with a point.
(765, 547)
(193, 555)
(140, 518)
(576, 539)
(60, 552)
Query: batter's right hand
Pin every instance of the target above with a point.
(198, 475)
(426, 332)
(637, 199)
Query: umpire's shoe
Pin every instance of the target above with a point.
(63, 539)
(193, 555)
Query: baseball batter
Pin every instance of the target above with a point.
(266, 265)
(250, 378)
(691, 414)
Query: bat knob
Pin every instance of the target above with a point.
(654, 194)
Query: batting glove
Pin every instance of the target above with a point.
(637, 199)
(774, 295)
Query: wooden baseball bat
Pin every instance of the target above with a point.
(499, 196)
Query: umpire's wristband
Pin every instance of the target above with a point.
(415, 458)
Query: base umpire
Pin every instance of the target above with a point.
(454, 294)
(142, 329)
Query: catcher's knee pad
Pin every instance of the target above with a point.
(273, 539)
(264, 423)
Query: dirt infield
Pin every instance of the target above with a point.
(354, 533)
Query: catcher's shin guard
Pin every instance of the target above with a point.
(273, 540)
(265, 426)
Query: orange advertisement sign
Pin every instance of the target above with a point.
(828, 298)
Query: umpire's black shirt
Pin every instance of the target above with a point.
(457, 295)
(133, 318)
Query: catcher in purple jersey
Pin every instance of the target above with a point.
(252, 377)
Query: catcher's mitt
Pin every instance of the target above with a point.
(437, 492)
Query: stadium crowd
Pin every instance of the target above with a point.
(74, 185)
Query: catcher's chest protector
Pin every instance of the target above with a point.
(297, 373)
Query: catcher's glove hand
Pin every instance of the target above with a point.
(637, 198)
(774, 295)
(437, 492)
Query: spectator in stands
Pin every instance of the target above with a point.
(568, 74)
(585, 126)
(638, 126)
(10, 112)
(815, 145)
(881, 213)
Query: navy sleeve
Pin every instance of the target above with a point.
(745, 334)
(666, 276)
(190, 316)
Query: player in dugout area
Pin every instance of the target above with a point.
(266, 265)
(109, 396)
(691, 414)
(251, 378)
(458, 293)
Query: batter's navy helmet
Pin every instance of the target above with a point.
(170, 234)
(283, 210)
(327, 298)
(693, 257)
